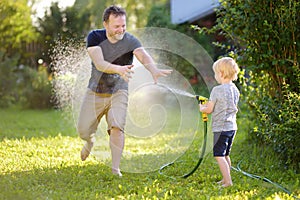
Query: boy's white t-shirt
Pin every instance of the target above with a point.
(225, 98)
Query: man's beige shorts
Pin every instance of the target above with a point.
(95, 106)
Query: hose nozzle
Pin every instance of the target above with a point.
(201, 99)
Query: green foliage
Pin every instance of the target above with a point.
(41, 161)
(265, 36)
(35, 88)
(289, 115)
(277, 125)
(137, 11)
(24, 86)
(16, 31)
(7, 80)
(15, 26)
(67, 25)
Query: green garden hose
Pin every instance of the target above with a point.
(238, 169)
(201, 100)
(200, 158)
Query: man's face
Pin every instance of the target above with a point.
(115, 27)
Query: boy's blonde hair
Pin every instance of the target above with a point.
(227, 67)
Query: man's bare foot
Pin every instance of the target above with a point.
(227, 185)
(221, 182)
(86, 149)
(116, 172)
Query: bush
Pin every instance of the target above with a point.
(7, 80)
(35, 88)
(23, 85)
(266, 34)
(277, 122)
(286, 131)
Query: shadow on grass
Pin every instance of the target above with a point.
(71, 182)
(17, 124)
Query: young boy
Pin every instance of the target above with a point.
(222, 104)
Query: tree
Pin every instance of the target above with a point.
(268, 38)
(15, 27)
(137, 10)
(68, 26)
(16, 31)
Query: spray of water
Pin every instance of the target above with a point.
(180, 92)
(163, 115)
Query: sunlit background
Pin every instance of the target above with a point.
(40, 6)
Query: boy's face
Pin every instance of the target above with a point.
(115, 27)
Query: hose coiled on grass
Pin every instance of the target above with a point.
(238, 169)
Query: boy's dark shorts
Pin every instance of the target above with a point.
(222, 143)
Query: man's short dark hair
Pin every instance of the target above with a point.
(113, 10)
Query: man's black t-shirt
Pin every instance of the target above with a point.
(120, 53)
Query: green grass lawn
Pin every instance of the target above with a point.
(40, 160)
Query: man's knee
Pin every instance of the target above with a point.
(115, 131)
(84, 132)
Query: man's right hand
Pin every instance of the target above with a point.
(125, 72)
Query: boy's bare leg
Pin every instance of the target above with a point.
(116, 145)
(221, 182)
(225, 170)
(228, 161)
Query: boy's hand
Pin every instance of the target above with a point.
(202, 107)
(207, 108)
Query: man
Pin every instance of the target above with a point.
(111, 50)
